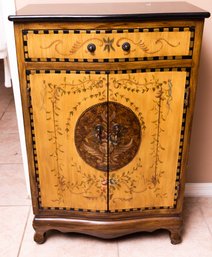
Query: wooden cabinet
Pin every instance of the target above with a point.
(108, 103)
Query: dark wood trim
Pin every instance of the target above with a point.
(107, 229)
(109, 12)
(109, 66)
(115, 18)
(107, 215)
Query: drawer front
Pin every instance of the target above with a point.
(108, 45)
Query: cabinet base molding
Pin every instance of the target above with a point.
(107, 229)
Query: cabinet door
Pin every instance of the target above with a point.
(145, 123)
(65, 113)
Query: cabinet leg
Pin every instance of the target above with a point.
(40, 237)
(175, 236)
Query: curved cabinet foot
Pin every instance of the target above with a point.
(175, 236)
(40, 237)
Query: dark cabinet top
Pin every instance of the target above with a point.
(109, 12)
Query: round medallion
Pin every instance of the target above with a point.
(107, 136)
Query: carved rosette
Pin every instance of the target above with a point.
(108, 136)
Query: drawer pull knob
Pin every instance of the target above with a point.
(91, 48)
(126, 47)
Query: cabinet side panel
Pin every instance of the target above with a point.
(192, 96)
(25, 105)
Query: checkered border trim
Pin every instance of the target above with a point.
(182, 134)
(33, 141)
(181, 145)
(67, 31)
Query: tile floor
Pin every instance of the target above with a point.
(16, 236)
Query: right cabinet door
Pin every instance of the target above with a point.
(147, 109)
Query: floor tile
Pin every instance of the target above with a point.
(206, 204)
(197, 240)
(13, 185)
(9, 116)
(66, 245)
(5, 96)
(206, 207)
(8, 123)
(4, 103)
(11, 106)
(5, 91)
(12, 224)
(192, 215)
(10, 151)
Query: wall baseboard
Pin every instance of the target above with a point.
(198, 190)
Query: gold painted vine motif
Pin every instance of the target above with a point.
(163, 95)
(108, 45)
(54, 93)
(91, 187)
(159, 43)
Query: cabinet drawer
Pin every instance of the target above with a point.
(108, 45)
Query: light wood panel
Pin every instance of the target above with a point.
(57, 102)
(71, 44)
(157, 99)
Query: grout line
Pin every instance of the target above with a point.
(11, 205)
(2, 115)
(9, 163)
(205, 220)
(20, 246)
(5, 109)
(15, 132)
(7, 132)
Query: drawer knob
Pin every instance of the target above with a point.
(91, 48)
(126, 47)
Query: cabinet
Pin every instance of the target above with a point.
(108, 101)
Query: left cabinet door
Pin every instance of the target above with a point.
(65, 117)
